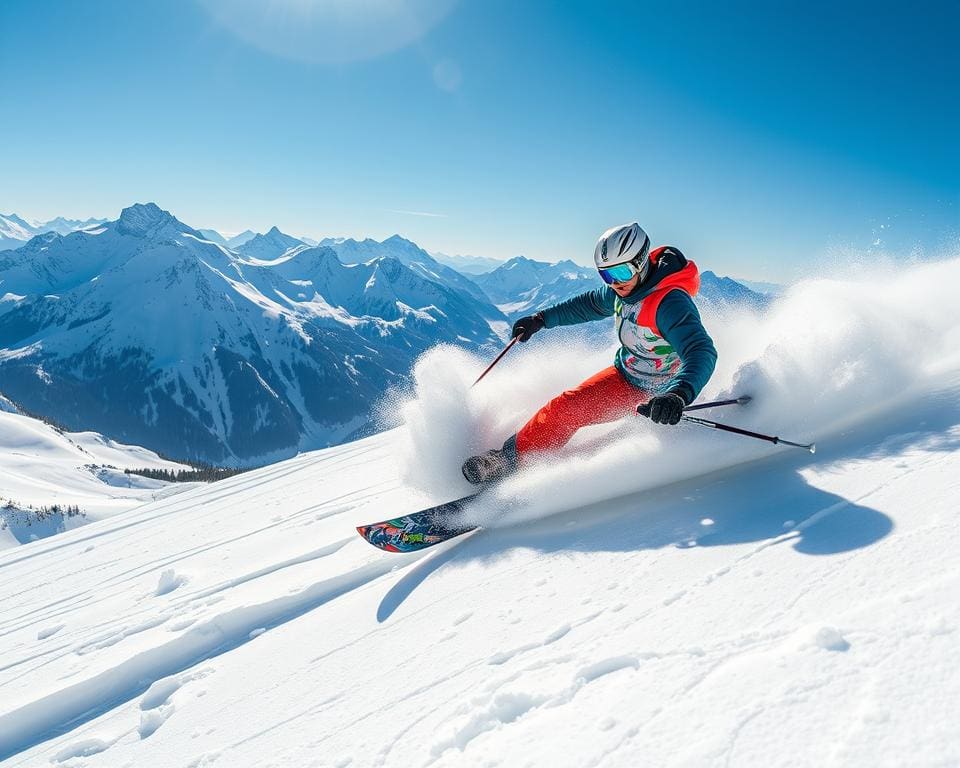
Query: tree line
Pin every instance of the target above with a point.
(200, 474)
(30, 514)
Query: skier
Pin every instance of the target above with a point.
(665, 358)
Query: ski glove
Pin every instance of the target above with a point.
(664, 409)
(525, 327)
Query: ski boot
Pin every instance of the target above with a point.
(493, 465)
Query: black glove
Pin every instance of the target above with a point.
(525, 327)
(664, 409)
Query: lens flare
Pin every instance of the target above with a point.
(329, 31)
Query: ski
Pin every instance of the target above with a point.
(419, 530)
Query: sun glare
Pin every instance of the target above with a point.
(331, 31)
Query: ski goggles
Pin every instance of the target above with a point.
(620, 273)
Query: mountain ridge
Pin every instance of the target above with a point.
(159, 337)
(16, 231)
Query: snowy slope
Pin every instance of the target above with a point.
(41, 466)
(668, 597)
(15, 231)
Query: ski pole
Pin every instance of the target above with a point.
(496, 360)
(742, 400)
(644, 408)
(812, 447)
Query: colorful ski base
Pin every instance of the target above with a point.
(418, 530)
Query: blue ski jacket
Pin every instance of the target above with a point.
(663, 344)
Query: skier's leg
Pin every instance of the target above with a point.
(606, 396)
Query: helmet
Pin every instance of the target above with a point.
(627, 243)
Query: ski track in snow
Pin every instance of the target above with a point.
(53, 714)
(203, 640)
(448, 702)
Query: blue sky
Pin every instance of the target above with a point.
(762, 141)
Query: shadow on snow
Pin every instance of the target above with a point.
(767, 501)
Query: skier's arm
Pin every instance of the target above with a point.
(679, 323)
(592, 305)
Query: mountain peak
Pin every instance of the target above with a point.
(275, 234)
(46, 237)
(402, 244)
(141, 219)
(518, 261)
(16, 219)
(268, 246)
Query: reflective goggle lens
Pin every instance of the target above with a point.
(621, 273)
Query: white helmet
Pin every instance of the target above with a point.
(626, 243)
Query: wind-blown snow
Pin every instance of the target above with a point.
(730, 603)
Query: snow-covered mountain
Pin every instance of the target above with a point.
(523, 285)
(268, 246)
(16, 231)
(724, 292)
(662, 596)
(63, 226)
(13, 227)
(760, 286)
(213, 236)
(237, 240)
(407, 252)
(44, 468)
(147, 332)
(468, 265)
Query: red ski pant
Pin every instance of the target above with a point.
(606, 396)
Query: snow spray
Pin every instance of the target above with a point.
(830, 353)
